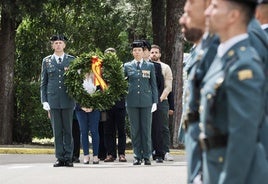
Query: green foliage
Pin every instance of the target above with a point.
(89, 25)
(31, 119)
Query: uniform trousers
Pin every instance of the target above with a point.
(193, 150)
(141, 126)
(62, 121)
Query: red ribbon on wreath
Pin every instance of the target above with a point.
(96, 68)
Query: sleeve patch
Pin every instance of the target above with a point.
(245, 74)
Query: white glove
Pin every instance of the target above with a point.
(198, 179)
(46, 106)
(154, 107)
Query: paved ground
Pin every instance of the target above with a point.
(38, 168)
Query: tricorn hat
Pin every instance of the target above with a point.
(58, 37)
(137, 43)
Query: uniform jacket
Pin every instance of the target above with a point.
(197, 67)
(142, 87)
(232, 104)
(52, 86)
(259, 40)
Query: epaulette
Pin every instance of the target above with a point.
(69, 56)
(48, 57)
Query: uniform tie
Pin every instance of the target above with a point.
(138, 65)
(60, 60)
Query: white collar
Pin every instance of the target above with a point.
(264, 26)
(57, 57)
(136, 62)
(225, 46)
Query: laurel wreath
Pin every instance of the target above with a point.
(112, 73)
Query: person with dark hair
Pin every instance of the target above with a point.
(233, 84)
(88, 119)
(57, 102)
(115, 125)
(141, 101)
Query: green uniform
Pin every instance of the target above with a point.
(61, 104)
(142, 93)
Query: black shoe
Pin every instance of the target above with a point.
(147, 162)
(137, 162)
(68, 163)
(76, 160)
(59, 163)
(159, 160)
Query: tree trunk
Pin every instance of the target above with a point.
(174, 57)
(7, 60)
(158, 23)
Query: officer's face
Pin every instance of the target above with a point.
(195, 10)
(58, 46)
(155, 54)
(137, 53)
(190, 34)
(218, 16)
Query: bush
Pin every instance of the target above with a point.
(31, 120)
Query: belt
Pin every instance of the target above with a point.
(216, 141)
(191, 118)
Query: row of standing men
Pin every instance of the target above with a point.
(225, 97)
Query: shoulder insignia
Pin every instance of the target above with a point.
(245, 74)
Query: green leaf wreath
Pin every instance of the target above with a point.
(112, 74)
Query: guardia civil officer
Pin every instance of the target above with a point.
(259, 40)
(140, 102)
(262, 14)
(232, 152)
(198, 62)
(56, 101)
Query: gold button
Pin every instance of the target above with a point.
(200, 109)
(220, 159)
(201, 126)
(242, 48)
(231, 53)
(209, 96)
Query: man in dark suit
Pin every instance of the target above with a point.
(160, 128)
(55, 99)
(140, 102)
(115, 125)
